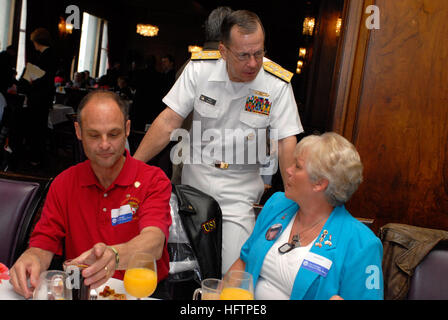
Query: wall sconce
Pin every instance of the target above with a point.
(308, 26)
(69, 28)
(338, 26)
(64, 28)
(194, 48)
(147, 30)
(302, 52)
(299, 67)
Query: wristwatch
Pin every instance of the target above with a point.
(117, 256)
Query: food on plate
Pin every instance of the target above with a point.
(111, 294)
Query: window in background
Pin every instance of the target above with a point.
(104, 60)
(89, 43)
(22, 41)
(6, 15)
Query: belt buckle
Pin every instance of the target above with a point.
(221, 165)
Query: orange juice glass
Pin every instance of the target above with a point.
(237, 285)
(236, 294)
(140, 282)
(140, 279)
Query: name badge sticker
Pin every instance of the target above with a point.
(121, 215)
(316, 263)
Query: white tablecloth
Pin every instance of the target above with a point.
(7, 292)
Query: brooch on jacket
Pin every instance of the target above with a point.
(322, 238)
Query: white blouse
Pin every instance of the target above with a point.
(279, 271)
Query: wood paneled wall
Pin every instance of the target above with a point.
(391, 100)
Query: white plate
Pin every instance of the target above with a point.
(118, 286)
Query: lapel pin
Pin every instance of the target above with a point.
(273, 232)
(328, 242)
(322, 238)
(137, 184)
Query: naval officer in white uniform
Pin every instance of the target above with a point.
(236, 95)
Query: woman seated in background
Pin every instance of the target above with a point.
(305, 244)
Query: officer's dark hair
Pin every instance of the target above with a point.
(214, 22)
(103, 94)
(246, 20)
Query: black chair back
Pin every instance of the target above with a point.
(21, 197)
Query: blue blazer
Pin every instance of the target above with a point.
(355, 252)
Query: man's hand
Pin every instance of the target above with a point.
(29, 265)
(101, 261)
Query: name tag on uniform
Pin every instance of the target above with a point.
(207, 100)
(316, 263)
(121, 215)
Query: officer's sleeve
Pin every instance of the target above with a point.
(285, 115)
(362, 276)
(181, 96)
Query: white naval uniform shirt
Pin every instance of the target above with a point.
(224, 105)
(204, 86)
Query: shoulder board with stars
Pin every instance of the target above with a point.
(206, 55)
(277, 71)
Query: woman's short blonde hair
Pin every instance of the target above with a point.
(332, 157)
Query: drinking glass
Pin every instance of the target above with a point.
(76, 281)
(238, 285)
(140, 278)
(210, 289)
(52, 286)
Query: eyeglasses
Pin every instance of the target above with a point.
(285, 248)
(245, 56)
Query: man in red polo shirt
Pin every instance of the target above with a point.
(102, 210)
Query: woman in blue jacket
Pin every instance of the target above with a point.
(305, 244)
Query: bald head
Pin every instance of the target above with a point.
(103, 127)
(99, 96)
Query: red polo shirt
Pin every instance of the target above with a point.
(79, 212)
